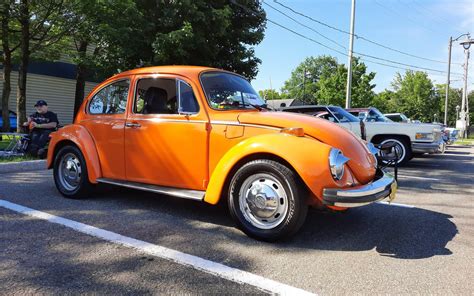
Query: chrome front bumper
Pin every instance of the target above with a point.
(433, 147)
(384, 186)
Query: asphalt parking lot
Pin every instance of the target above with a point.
(421, 244)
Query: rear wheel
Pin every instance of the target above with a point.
(70, 173)
(267, 200)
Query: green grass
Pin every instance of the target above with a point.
(468, 141)
(3, 144)
(17, 158)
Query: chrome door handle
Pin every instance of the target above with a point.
(132, 124)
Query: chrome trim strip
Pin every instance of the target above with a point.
(177, 192)
(157, 119)
(236, 123)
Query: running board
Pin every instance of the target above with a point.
(177, 192)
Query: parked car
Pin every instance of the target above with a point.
(12, 116)
(397, 117)
(204, 134)
(408, 139)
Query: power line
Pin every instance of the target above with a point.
(393, 11)
(358, 36)
(343, 53)
(308, 27)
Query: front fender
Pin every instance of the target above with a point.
(307, 156)
(81, 138)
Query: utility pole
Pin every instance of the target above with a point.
(447, 82)
(304, 84)
(464, 94)
(349, 61)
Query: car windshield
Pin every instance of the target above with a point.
(226, 91)
(375, 115)
(342, 115)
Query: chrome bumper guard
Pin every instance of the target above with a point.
(384, 186)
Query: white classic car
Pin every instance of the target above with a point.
(409, 139)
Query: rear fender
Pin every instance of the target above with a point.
(79, 136)
(308, 158)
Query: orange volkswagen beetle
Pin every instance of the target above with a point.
(205, 134)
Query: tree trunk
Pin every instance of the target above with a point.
(81, 71)
(7, 68)
(24, 59)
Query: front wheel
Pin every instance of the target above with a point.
(70, 173)
(401, 149)
(267, 200)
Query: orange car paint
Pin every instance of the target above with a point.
(200, 151)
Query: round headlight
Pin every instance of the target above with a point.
(336, 163)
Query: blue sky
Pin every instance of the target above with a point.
(418, 27)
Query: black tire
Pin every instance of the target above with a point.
(296, 208)
(404, 144)
(84, 187)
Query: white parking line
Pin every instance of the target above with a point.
(395, 204)
(418, 178)
(214, 268)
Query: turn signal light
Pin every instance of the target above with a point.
(295, 131)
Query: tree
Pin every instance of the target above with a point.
(213, 33)
(384, 101)
(43, 23)
(416, 96)
(325, 82)
(305, 88)
(96, 42)
(454, 99)
(10, 44)
(269, 94)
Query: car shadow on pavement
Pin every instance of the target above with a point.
(393, 231)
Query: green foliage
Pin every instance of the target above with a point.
(325, 82)
(269, 94)
(454, 99)
(416, 96)
(385, 101)
(314, 68)
(200, 32)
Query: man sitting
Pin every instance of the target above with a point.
(41, 124)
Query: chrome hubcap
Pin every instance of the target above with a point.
(263, 201)
(398, 150)
(70, 172)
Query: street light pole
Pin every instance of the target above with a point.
(447, 82)
(349, 61)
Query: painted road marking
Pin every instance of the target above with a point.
(214, 268)
(418, 178)
(395, 204)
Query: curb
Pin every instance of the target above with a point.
(22, 166)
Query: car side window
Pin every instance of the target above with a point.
(187, 100)
(164, 96)
(112, 99)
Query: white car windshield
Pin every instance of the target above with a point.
(375, 115)
(342, 115)
(226, 91)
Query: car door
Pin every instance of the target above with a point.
(105, 121)
(167, 134)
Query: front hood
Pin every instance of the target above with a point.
(415, 127)
(361, 162)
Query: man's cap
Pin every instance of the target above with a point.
(41, 103)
